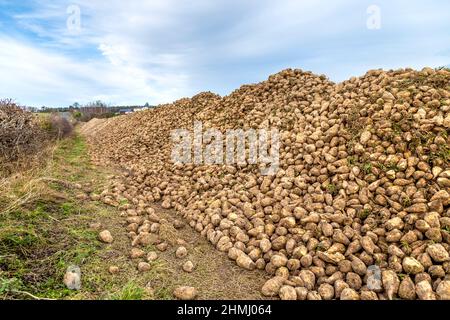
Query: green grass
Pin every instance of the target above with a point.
(123, 202)
(401, 276)
(131, 291)
(68, 208)
(443, 153)
(18, 237)
(41, 238)
(163, 293)
(392, 166)
(7, 285)
(405, 245)
(381, 166)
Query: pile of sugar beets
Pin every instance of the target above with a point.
(360, 205)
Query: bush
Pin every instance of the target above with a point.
(19, 132)
(56, 126)
(60, 126)
(23, 135)
(77, 115)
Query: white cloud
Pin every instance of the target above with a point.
(160, 50)
(40, 77)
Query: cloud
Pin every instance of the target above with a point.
(40, 77)
(161, 50)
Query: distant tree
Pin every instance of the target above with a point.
(147, 105)
(44, 109)
(95, 109)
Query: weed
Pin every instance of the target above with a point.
(17, 239)
(363, 214)
(131, 291)
(405, 245)
(442, 68)
(321, 247)
(401, 276)
(351, 161)
(333, 189)
(9, 284)
(381, 166)
(68, 209)
(40, 237)
(367, 168)
(163, 293)
(443, 153)
(392, 166)
(397, 128)
(406, 202)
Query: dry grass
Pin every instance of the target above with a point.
(168, 233)
(43, 228)
(21, 136)
(25, 137)
(25, 185)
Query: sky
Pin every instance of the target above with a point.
(55, 53)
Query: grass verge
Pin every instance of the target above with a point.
(45, 228)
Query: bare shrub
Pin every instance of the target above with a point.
(19, 132)
(60, 126)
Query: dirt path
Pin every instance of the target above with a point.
(59, 228)
(215, 276)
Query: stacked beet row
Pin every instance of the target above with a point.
(360, 206)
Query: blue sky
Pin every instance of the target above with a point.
(156, 51)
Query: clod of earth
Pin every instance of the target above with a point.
(181, 252)
(137, 253)
(105, 236)
(144, 267)
(188, 266)
(114, 269)
(152, 256)
(185, 293)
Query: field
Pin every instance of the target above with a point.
(353, 203)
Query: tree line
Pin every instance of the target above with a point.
(96, 109)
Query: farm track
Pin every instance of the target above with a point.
(59, 228)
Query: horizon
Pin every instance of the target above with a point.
(56, 54)
(236, 89)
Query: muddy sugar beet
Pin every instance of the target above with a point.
(359, 208)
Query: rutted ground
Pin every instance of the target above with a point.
(55, 225)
